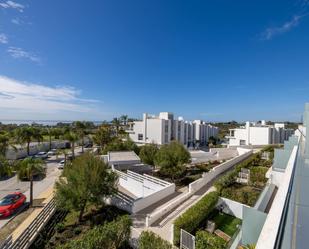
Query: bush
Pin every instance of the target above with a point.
(148, 153)
(205, 240)
(149, 240)
(257, 176)
(195, 215)
(111, 235)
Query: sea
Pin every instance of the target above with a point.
(42, 122)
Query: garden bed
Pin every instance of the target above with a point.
(224, 222)
(245, 194)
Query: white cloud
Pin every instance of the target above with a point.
(3, 39)
(12, 5)
(39, 101)
(16, 21)
(19, 53)
(269, 33)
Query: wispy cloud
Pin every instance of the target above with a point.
(12, 5)
(269, 33)
(41, 99)
(16, 21)
(19, 53)
(4, 39)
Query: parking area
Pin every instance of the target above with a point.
(200, 156)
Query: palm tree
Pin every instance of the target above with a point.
(124, 119)
(25, 135)
(28, 168)
(72, 138)
(37, 134)
(50, 132)
(5, 167)
(80, 128)
(116, 123)
(5, 143)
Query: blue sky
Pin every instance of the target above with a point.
(211, 60)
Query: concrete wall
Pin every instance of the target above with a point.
(214, 172)
(193, 187)
(265, 197)
(157, 214)
(231, 207)
(147, 201)
(259, 136)
(141, 185)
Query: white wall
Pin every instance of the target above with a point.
(214, 172)
(145, 202)
(259, 136)
(231, 207)
(193, 187)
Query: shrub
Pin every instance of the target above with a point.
(112, 235)
(148, 153)
(205, 240)
(195, 215)
(257, 176)
(149, 239)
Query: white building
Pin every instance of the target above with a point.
(164, 128)
(259, 134)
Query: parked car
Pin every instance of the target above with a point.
(42, 155)
(61, 164)
(52, 152)
(10, 203)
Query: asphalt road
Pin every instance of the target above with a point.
(13, 184)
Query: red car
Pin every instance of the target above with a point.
(10, 203)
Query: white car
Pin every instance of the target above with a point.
(52, 152)
(61, 164)
(42, 155)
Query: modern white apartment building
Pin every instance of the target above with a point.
(259, 134)
(164, 128)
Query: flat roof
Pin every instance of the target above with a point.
(118, 156)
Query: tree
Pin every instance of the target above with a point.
(25, 135)
(87, 181)
(37, 134)
(80, 128)
(5, 143)
(148, 153)
(124, 119)
(5, 167)
(116, 124)
(72, 138)
(103, 136)
(28, 168)
(171, 159)
(212, 140)
(50, 132)
(149, 239)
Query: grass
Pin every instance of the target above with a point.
(226, 223)
(242, 193)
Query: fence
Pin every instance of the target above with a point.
(187, 240)
(26, 238)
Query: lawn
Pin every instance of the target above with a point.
(226, 223)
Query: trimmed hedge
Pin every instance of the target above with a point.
(205, 240)
(195, 215)
(149, 239)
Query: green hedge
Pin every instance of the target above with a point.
(149, 240)
(205, 240)
(195, 215)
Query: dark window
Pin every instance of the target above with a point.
(140, 136)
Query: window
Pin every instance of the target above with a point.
(140, 136)
(242, 142)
